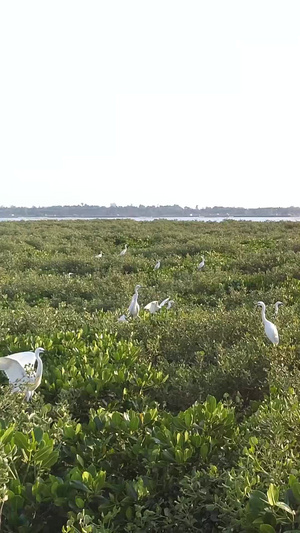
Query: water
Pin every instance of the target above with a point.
(150, 219)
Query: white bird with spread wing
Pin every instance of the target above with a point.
(270, 328)
(154, 306)
(134, 307)
(21, 373)
(123, 252)
(201, 265)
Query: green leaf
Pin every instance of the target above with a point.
(38, 434)
(211, 403)
(79, 502)
(285, 507)
(204, 451)
(42, 454)
(296, 491)
(79, 485)
(7, 434)
(273, 494)
(21, 440)
(50, 460)
(266, 528)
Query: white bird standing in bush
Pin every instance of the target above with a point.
(134, 307)
(19, 368)
(201, 265)
(123, 252)
(99, 255)
(270, 328)
(277, 307)
(157, 266)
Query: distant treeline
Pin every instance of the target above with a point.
(113, 210)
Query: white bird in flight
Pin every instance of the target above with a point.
(270, 328)
(123, 252)
(201, 265)
(99, 255)
(134, 307)
(21, 373)
(157, 266)
(277, 307)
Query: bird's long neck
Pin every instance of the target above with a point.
(39, 370)
(263, 314)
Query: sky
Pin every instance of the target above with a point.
(189, 102)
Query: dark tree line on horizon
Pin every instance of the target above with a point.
(84, 210)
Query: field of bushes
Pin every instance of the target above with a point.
(186, 420)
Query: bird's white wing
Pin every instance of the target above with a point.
(23, 358)
(14, 371)
(164, 302)
(149, 306)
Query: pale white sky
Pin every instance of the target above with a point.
(152, 102)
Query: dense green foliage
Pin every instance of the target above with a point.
(183, 421)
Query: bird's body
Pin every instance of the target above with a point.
(270, 328)
(123, 252)
(152, 307)
(157, 266)
(134, 307)
(21, 373)
(99, 255)
(201, 265)
(277, 307)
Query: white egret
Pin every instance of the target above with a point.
(155, 306)
(21, 373)
(170, 304)
(270, 328)
(70, 274)
(123, 252)
(201, 265)
(99, 255)
(134, 307)
(157, 266)
(277, 307)
(122, 318)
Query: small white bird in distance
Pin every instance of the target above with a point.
(123, 252)
(277, 307)
(70, 274)
(99, 255)
(122, 318)
(270, 328)
(134, 307)
(157, 266)
(21, 373)
(201, 265)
